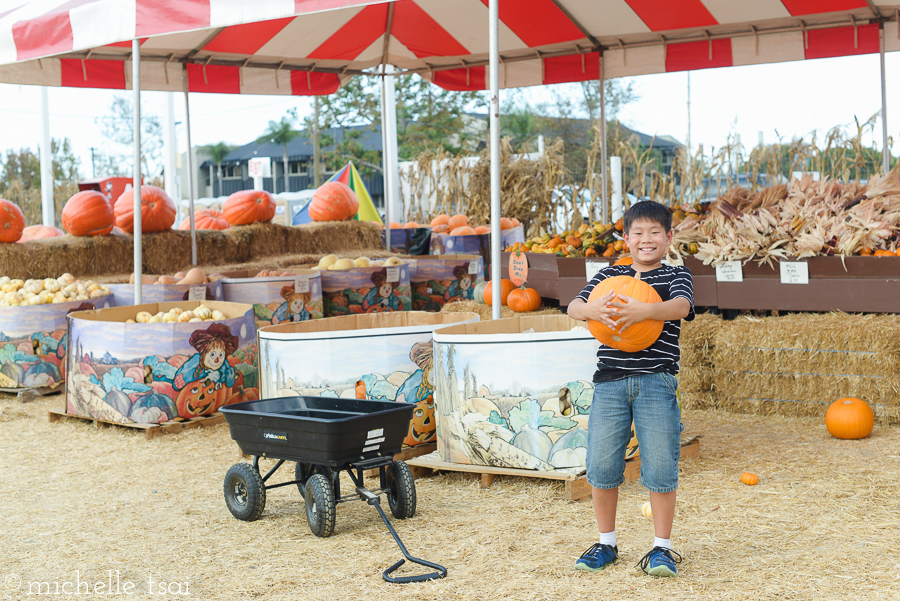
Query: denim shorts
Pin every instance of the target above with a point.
(649, 400)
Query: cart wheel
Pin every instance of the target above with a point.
(245, 493)
(401, 490)
(302, 472)
(320, 505)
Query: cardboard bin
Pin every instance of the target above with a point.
(366, 290)
(163, 293)
(278, 299)
(440, 279)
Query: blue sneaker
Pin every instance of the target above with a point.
(597, 557)
(660, 562)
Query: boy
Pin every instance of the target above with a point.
(638, 386)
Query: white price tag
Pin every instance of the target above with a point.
(729, 271)
(301, 284)
(473, 267)
(794, 273)
(197, 293)
(393, 274)
(592, 267)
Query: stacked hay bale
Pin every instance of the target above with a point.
(800, 364)
(696, 378)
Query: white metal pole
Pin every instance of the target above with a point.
(604, 174)
(884, 123)
(48, 208)
(393, 153)
(618, 205)
(136, 182)
(385, 164)
(190, 169)
(690, 155)
(170, 146)
(494, 46)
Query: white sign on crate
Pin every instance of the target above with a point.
(729, 271)
(301, 284)
(197, 293)
(393, 274)
(794, 272)
(592, 267)
(473, 267)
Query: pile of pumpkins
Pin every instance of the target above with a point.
(457, 225)
(179, 315)
(520, 300)
(64, 289)
(334, 263)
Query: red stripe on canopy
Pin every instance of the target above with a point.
(419, 32)
(355, 35)
(311, 6)
(537, 22)
(124, 44)
(563, 69)
(100, 74)
(164, 16)
(248, 38)
(695, 55)
(808, 7)
(219, 79)
(310, 84)
(461, 80)
(48, 34)
(662, 15)
(826, 43)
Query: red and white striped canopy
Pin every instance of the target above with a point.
(311, 46)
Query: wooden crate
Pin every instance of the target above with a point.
(26, 395)
(150, 430)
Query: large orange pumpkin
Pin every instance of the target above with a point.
(249, 206)
(506, 286)
(39, 232)
(157, 210)
(12, 221)
(849, 419)
(463, 230)
(457, 221)
(638, 336)
(88, 213)
(206, 219)
(333, 201)
(522, 300)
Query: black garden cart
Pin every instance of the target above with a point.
(325, 436)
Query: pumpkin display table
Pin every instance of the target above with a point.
(384, 356)
(276, 299)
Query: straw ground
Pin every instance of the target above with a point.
(821, 524)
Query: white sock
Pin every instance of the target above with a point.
(608, 538)
(665, 543)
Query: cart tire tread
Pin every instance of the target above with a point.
(401, 490)
(245, 493)
(320, 505)
(302, 469)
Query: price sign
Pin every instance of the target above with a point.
(518, 268)
(197, 293)
(301, 284)
(393, 274)
(794, 273)
(729, 271)
(474, 267)
(592, 267)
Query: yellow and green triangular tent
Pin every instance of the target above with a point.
(350, 176)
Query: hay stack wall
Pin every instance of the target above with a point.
(167, 252)
(800, 364)
(696, 378)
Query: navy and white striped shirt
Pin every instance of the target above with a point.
(663, 355)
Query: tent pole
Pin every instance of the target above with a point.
(136, 182)
(886, 158)
(604, 159)
(385, 164)
(190, 169)
(48, 207)
(494, 46)
(170, 146)
(394, 162)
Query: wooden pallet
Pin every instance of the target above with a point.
(577, 487)
(26, 395)
(150, 430)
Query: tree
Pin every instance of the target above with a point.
(281, 132)
(217, 153)
(118, 127)
(20, 178)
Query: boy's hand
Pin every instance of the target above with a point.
(631, 311)
(601, 310)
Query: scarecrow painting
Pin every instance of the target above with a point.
(381, 297)
(463, 288)
(293, 308)
(418, 389)
(210, 363)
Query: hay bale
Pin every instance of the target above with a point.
(800, 364)
(696, 379)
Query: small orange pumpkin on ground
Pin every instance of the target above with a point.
(157, 210)
(12, 221)
(506, 286)
(639, 335)
(849, 419)
(253, 206)
(749, 479)
(522, 300)
(39, 232)
(206, 219)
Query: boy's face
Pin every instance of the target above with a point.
(648, 241)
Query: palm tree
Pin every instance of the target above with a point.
(280, 132)
(217, 153)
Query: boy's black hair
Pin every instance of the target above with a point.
(647, 210)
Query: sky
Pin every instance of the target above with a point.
(786, 99)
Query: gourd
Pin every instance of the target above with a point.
(333, 201)
(88, 213)
(40, 232)
(522, 300)
(441, 219)
(506, 223)
(849, 419)
(463, 230)
(249, 206)
(506, 286)
(12, 221)
(647, 510)
(624, 261)
(157, 210)
(638, 336)
(749, 479)
(457, 221)
(478, 293)
(482, 229)
(206, 219)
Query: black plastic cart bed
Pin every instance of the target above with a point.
(325, 436)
